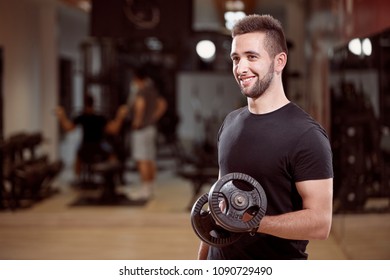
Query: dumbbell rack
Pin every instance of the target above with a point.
(27, 175)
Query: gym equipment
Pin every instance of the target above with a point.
(237, 203)
(29, 175)
(207, 229)
(243, 195)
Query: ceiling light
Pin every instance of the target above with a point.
(206, 50)
(367, 47)
(360, 47)
(232, 17)
(355, 46)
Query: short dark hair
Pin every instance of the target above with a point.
(275, 40)
(141, 73)
(88, 100)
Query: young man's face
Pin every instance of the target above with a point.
(253, 69)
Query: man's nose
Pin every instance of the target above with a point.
(242, 67)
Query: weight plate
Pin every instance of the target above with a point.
(244, 197)
(206, 229)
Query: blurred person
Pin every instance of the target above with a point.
(94, 146)
(277, 143)
(147, 107)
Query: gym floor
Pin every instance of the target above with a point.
(158, 230)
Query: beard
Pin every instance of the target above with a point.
(260, 86)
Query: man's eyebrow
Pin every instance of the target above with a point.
(246, 53)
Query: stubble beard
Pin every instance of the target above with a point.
(260, 86)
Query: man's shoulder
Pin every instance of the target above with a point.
(300, 117)
(236, 113)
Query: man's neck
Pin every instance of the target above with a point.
(268, 102)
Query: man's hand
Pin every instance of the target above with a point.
(122, 112)
(60, 112)
(66, 124)
(246, 217)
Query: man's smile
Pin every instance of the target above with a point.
(246, 81)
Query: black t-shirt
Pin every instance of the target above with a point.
(277, 149)
(93, 126)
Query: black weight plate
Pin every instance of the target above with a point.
(242, 194)
(206, 229)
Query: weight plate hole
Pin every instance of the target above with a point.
(242, 185)
(250, 213)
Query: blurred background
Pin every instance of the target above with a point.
(52, 52)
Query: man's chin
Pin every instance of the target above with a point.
(250, 94)
(246, 92)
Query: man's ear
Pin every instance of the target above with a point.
(280, 62)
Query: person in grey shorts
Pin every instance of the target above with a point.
(147, 107)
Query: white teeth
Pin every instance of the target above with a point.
(246, 80)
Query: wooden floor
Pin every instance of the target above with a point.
(52, 229)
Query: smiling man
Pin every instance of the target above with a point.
(278, 144)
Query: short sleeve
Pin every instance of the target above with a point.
(312, 156)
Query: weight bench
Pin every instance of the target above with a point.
(108, 170)
(108, 196)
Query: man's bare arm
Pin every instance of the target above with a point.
(312, 222)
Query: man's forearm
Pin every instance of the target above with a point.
(299, 225)
(66, 124)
